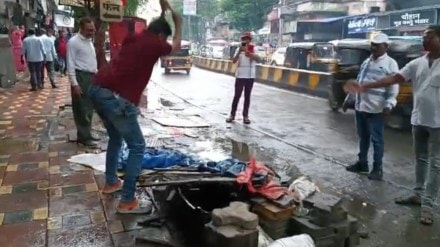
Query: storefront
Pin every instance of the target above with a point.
(359, 27)
(413, 22)
(402, 22)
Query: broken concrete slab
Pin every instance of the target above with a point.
(299, 225)
(236, 214)
(323, 201)
(270, 211)
(230, 236)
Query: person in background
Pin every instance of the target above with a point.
(117, 92)
(50, 34)
(424, 74)
(81, 67)
(34, 54)
(373, 105)
(51, 56)
(69, 34)
(61, 49)
(246, 61)
(17, 49)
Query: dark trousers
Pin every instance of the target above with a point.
(240, 84)
(50, 68)
(82, 107)
(370, 127)
(35, 69)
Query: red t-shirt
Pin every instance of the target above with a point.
(128, 74)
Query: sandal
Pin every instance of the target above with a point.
(413, 200)
(230, 119)
(246, 120)
(426, 217)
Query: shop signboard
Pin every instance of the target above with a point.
(111, 10)
(361, 24)
(414, 18)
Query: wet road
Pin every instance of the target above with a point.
(294, 131)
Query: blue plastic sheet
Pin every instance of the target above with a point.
(166, 158)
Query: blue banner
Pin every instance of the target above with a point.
(361, 24)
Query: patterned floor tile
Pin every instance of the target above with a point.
(75, 204)
(17, 217)
(18, 177)
(31, 233)
(28, 201)
(90, 236)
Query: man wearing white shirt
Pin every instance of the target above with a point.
(372, 105)
(51, 56)
(81, 67)
(424, 74)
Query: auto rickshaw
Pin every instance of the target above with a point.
(310, 56)
(180, 60)
(352, 53)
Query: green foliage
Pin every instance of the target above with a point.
(247, 15)
(133, 5)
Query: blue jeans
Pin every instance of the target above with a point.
(120, 119)
(370, 127)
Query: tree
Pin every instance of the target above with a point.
(91, 8)
(206, 10)
(247, 15)
(132, 6)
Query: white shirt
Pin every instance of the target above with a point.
(246, 66)
(426, 91)
(80, 56)
(49, 47)
(377, 99)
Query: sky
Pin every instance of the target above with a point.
(150, 10)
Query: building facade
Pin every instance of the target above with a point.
(311, 20)
(396, 23)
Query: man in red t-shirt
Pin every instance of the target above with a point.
(116, 93)
(61, 47)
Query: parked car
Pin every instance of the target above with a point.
(278, 57)
(217, 52)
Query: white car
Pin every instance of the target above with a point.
(278, 57)
(217, 52)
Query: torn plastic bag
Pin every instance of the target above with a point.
(302, 240)
(302, 188)
(269, 189)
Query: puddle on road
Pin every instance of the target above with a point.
(18, 146)
(220, 149)
(360, 208)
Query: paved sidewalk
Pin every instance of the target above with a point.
(44, 200)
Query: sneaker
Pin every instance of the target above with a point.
(109, 189)
(358, 168)
(376, 174)
(134, 207)
(230, 119)
(87, 143)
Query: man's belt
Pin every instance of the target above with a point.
(84, 71)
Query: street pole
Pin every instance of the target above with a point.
(189, 28)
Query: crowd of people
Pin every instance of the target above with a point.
(40, 50)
